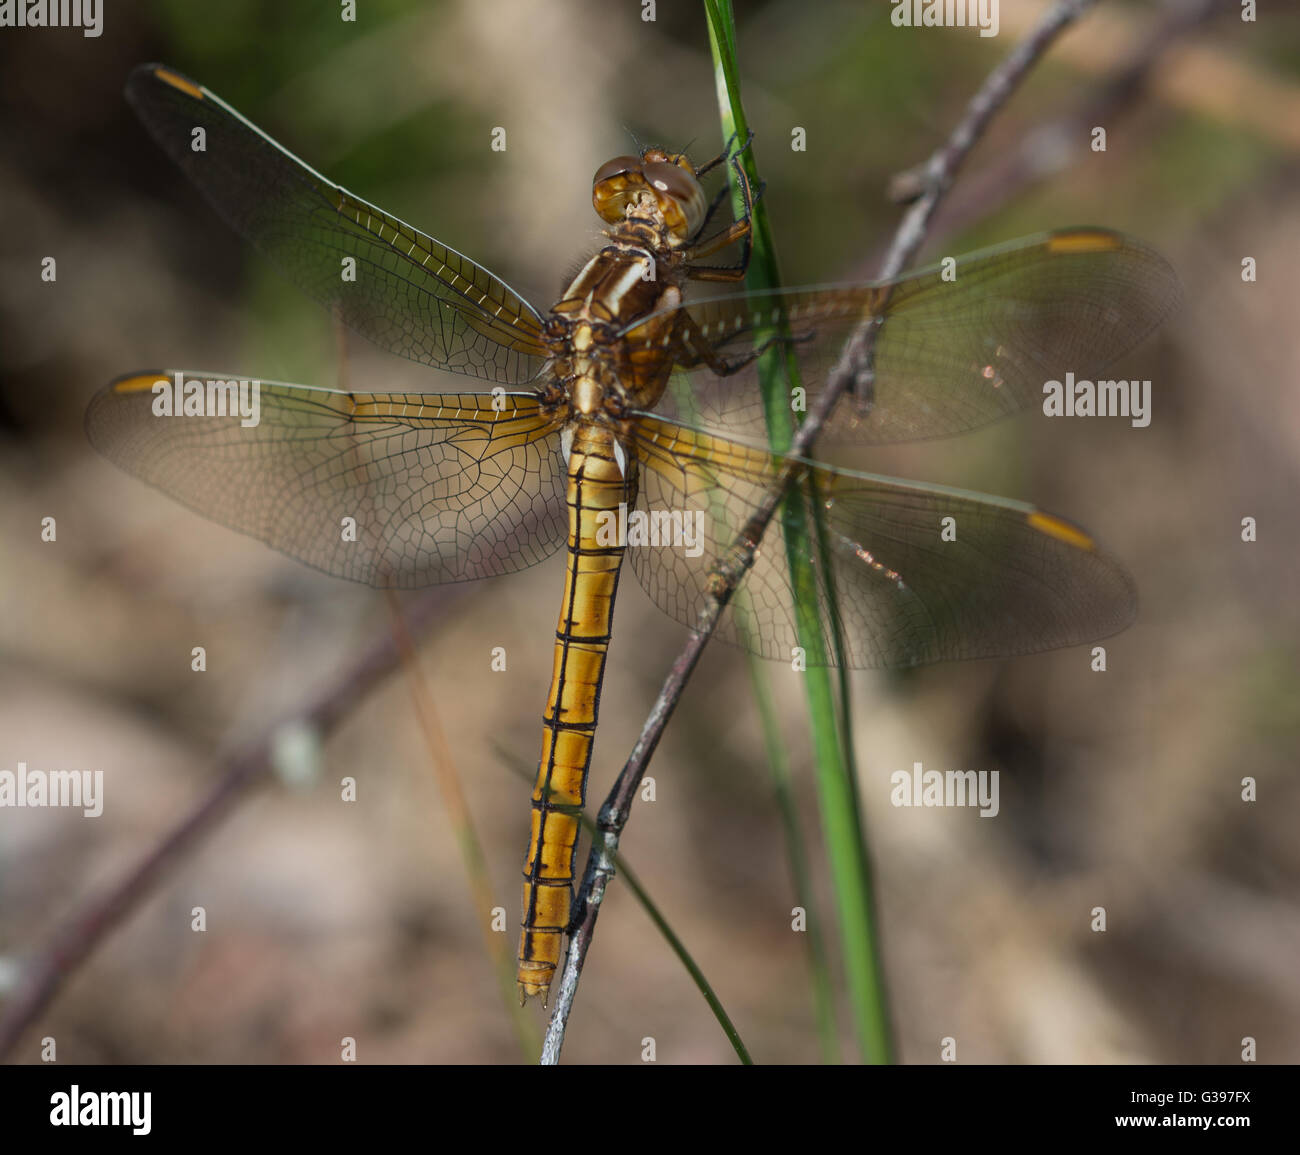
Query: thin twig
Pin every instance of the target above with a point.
(853, 370)
(82, 931)
(1054, 145)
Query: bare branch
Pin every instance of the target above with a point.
(853, 370)
(82, 931)
(1052, 146)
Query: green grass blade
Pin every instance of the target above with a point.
(832, 743)
(783, 786)
(679, 949)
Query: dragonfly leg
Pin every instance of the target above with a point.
(714, 205)
(740, 230)
(726, 153)
(694, 347)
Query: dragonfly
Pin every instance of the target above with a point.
(626, 423)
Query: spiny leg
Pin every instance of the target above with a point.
(740, 230)
(693, 347)
(725, 154)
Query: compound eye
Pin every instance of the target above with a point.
(670, 179)
(679, 194)
(615, 186)
(619, 166)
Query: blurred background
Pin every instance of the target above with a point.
(1120, 790)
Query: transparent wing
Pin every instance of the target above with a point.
(408, 294)
(956, 351)
(1012, 580)
(437, 487)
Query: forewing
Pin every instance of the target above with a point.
(393, 490)
(408, 293)
(1000, 578)
(957, 350)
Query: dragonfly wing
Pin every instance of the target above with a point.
(406, 292)
(393, 490)
(1001, 578)
(960, 347)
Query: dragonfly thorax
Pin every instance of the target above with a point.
(585, 378)
(597, 337)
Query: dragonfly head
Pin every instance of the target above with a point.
(656, 182)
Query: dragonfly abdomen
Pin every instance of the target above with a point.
(596, 487)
